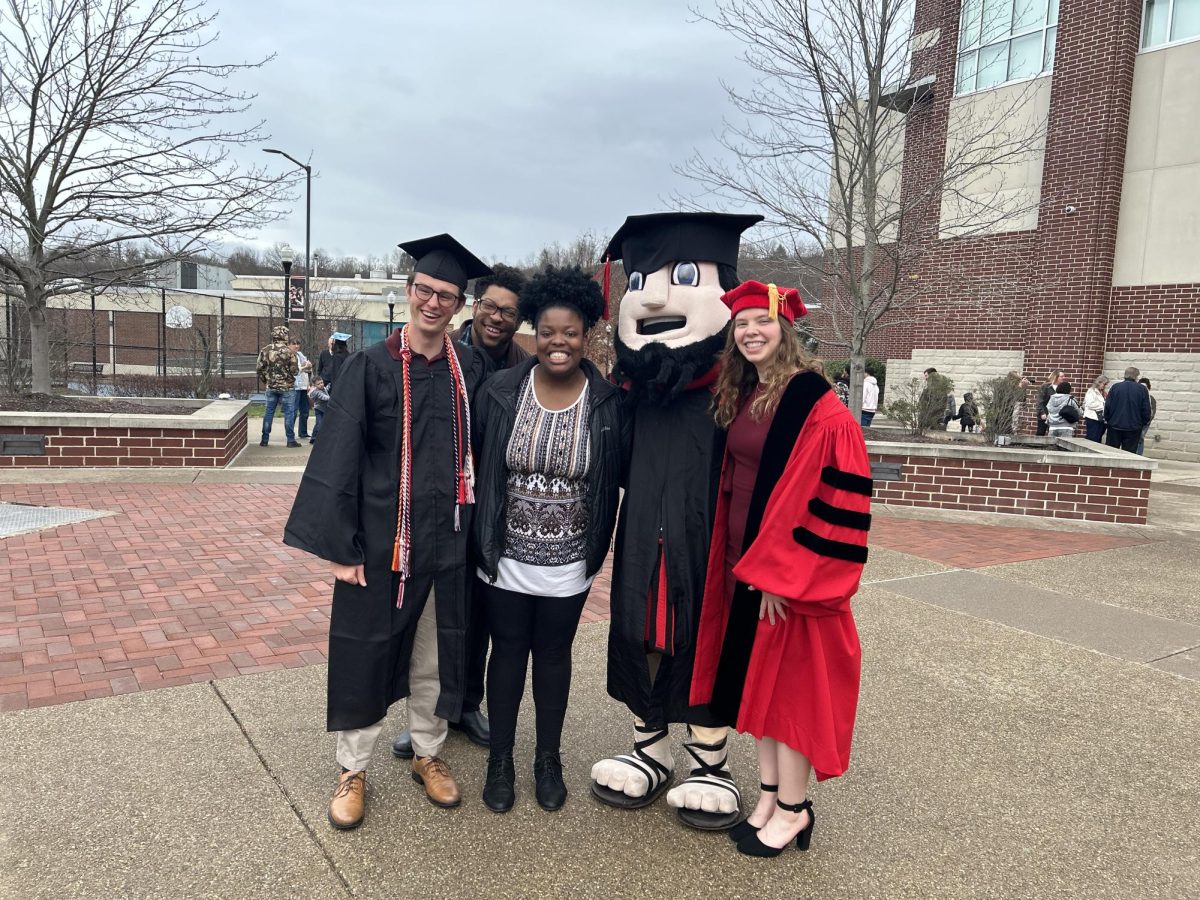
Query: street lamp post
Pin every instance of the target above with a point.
(391, 311)
(285, 257)
(307, 219)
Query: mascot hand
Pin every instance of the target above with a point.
(697, 796)
(618, 776)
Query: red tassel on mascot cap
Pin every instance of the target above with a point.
(604, 278)
(777, 301)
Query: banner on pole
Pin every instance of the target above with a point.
(296, 298)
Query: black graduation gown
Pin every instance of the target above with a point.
(674, 474)
(345, 512)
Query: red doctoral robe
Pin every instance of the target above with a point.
(806, 533)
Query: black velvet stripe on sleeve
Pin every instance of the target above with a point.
(826, 547)
(835, 515)
(846, 481)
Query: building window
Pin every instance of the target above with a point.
(187, 276)
(1168, 21)
(1006, 40)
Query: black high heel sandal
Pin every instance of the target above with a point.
(744, 829)
(752, 846)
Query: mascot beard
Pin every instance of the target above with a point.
(708, 799)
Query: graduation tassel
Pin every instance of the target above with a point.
(772, 301)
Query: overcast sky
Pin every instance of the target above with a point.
(509, 124)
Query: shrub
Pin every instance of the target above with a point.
(920, 405)
(999, 401)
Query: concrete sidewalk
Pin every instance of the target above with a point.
(990, 760)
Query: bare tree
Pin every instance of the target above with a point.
(822, 152)
(111, 133)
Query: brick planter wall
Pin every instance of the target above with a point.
(1102, 487)
(214, 439)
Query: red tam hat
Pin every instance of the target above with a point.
(777, 301)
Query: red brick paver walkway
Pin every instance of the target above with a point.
(972, 546)
(185, 583)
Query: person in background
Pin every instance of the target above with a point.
(841, 385)
(1127, 411)
(1044, 394)
(319, 398)
(277, 369)
(330, 362)
(870, 401)
(968, 413)
(1062, 412)
(496, 318)
(553, 443)
(302, 379)
(1093, 408)
(1141, 448)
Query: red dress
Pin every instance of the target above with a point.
(795, 681)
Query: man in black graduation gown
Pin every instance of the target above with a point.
(491, 330)
(378, 514)
(671, 329)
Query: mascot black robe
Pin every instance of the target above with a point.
(661, 553)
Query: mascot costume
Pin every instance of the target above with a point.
(671, 329)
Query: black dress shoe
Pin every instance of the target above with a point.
(475, 727)
(262, 443)
(293, 443)
(402, 746)
(547, 776)
(499, 789)
(752, 846)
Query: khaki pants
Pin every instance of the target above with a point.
(354, 747)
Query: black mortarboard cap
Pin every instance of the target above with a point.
(444, 258)
(647, 243)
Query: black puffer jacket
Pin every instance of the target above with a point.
(493, 419)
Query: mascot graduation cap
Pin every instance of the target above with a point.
(672, 326)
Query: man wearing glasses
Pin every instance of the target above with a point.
(387, 499)
(496, 318)
(491, 330)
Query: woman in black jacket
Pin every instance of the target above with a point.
(552, 442)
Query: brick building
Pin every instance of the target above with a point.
(1106, 262)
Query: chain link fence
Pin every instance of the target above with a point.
(128, 341)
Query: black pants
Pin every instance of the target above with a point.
(477, 647)
(522, 625)
(1126, 440)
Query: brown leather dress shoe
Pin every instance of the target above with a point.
(348, 806)
(440, 786)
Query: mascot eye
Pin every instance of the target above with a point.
(686, 273)
(635, 281)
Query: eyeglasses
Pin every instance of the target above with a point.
(424, 292)
(508, 313)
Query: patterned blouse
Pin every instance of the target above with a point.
(548, 458)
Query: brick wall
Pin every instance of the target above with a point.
(1156, 318)
(104, 446)
(1061, 491)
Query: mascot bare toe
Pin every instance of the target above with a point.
(671, 329)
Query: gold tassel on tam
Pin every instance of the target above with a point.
(773, 301)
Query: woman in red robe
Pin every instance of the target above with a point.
(778, 654)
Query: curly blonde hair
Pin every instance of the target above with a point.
(739, 378)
